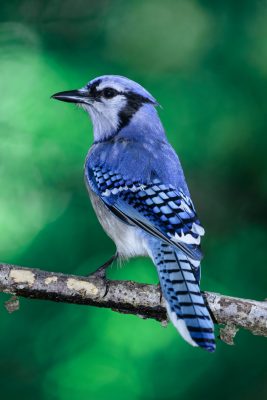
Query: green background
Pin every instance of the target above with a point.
(206, 63)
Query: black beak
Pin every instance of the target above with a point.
(73, 96)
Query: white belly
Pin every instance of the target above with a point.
(130, 241)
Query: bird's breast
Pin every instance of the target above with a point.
(130, 240)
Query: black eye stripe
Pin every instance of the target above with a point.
(135, 100)
(92, 88)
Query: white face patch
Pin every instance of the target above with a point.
(105, 114)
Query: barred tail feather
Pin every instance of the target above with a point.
(185, 305)
(180, 325)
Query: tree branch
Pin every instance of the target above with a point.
(127, 297)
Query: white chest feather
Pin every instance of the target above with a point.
(129, 240)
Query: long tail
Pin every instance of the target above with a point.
(179, 280)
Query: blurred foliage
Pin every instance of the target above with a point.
(206, 63)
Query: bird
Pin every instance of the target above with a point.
(138, 190)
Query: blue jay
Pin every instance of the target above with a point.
(138, 190)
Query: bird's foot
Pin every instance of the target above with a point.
(158, 286)
(101, 271)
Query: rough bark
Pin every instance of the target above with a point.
(127, 297)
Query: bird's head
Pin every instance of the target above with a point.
(112, 101)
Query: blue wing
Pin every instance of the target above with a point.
(161, 210)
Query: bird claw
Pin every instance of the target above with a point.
(158, 287)
(101, 271)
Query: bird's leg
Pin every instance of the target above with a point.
(101, 271)
(158, 286)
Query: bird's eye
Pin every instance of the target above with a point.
(108, 93)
